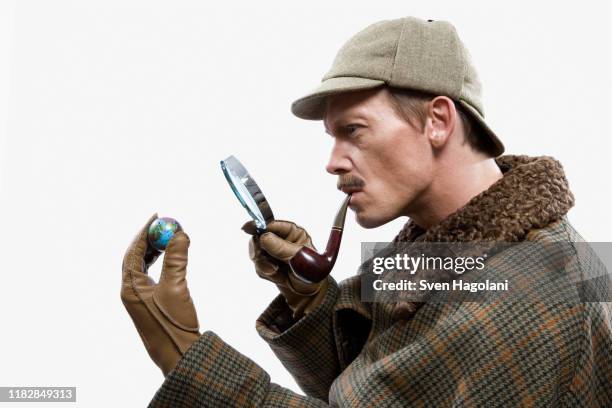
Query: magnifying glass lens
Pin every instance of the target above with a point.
(247, 191)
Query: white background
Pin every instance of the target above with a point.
(112, 110)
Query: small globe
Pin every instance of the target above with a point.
(161, 232)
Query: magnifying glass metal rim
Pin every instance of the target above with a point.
(233, 165)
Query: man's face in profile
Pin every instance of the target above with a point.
(386, 163)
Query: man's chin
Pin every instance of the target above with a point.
(369, 222)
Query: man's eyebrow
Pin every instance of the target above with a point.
(327, 129)
(342, 121)
(334, 125)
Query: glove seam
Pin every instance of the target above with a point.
(167, 315)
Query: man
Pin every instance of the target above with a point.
(403, 104)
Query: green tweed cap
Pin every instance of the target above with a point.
(407, 53)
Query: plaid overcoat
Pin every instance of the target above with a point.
(554, 351)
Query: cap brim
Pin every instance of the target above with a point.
(312, 106)
(497, 145)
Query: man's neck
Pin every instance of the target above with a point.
(454, 186)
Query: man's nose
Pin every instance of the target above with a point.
(339, 162)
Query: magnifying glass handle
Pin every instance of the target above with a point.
(311, 266)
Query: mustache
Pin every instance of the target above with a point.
(348, 180)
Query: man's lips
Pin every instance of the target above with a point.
(355, 199)
(350, 189)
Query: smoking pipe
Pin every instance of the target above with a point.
(313, 267)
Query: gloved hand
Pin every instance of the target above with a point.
(162, 312)
(271, 252)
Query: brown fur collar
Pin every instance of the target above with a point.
(532, 194)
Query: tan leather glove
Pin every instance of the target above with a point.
(271, 252)
(162, 312)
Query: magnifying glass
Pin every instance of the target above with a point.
(248, 192)
(307, 264)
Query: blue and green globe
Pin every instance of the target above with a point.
(161, 232)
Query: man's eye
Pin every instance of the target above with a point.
(351, 129)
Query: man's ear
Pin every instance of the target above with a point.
(441, 120)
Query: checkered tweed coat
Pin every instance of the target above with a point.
(556, 351)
